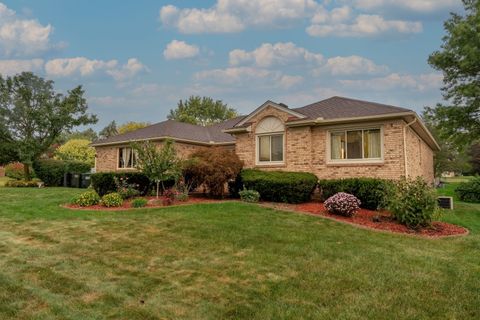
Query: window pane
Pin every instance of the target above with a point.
(354, 144)
(337, 145)
(264, 148)
(277, 147)
(128, 157)
(372, 143)
(120, 158)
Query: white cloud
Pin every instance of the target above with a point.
(180, 50)
(280, 53)
(364, 26)
(22, 37)
(421, 6)
(86, 67)
(236, 15)
(127, 71)
(352, 65)
(397, 81)
(247, 76)
(11, 67)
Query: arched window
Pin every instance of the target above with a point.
(270, 135)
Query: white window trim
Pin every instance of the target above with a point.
(118, 159)
(257, 149)
(355, 161)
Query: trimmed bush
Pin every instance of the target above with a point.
(343, 204)
(280, 186)
(52, 171)
(469, 191)
(112, 200)
(373, 193)
(14, 170)
(249, 195)
(414, 203)
(139, 202)
(22, 184)
(104, 182)
(88, 198)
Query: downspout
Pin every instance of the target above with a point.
(405, 145)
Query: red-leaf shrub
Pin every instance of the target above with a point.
(14, 170)
(343, 204)
(213, 168)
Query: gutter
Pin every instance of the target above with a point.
(405, 145)
(210, 143)
(321, 121)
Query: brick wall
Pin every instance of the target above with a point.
(107, 156)
(419, 157)
(306, 150)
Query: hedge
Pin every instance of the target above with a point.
(51, 171)
(373, 193)
(280, 186)
(104, 182)
(469, 191)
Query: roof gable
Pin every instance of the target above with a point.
(269, 103)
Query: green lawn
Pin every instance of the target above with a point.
(224, 261)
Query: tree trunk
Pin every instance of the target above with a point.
(158, 186)
(26, 172)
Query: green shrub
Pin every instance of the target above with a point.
(373, 193)
(112, 200)
(52, 171)
(22, 184)
(413, 203)
(181, 196)
(88, 198)
(139, 202)
(14, 170)
(104, 182)
(249, 195)
(469, 191)
(280, 186)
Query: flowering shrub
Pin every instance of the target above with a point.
(342, 203)
(88, 198)
(14, 170)
(124, 189)
(170, 195)
(249, 195)
(112, 200)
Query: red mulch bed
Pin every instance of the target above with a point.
(365, 218)
(153, 202)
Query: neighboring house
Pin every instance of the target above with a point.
(333, 138)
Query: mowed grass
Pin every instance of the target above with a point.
(224, 261)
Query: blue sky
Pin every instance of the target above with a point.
(136, 59)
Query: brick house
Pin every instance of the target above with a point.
(333, 138)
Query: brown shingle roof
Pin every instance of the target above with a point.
(178, 130)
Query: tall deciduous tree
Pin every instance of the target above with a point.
(202, 111)
(109, 131)
(33, 115)
(158, 164)
(77, 150)
(459, 60)
(131, 126)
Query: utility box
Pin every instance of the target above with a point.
(445, 202)
(85, 180)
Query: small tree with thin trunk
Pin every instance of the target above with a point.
(158, 164)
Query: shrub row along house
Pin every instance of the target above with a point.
(333, 138)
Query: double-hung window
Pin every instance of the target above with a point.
(356, 145)
(127, 158)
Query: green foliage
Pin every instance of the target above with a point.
(249, 195)
(76, 150)
(87, 134)
(131, 126)
(459, 60)
(33, 115)
(213, 168)
(343, 204)
(413, 203)
(109, 131)
(14, 170)
(52, 171)
(125, 189)
(373, 193)
(280, 186)
(139, 202)
(469, 191)
(202, 111)
(158, 164)
(104, 182)
(112, 199)
(88, 198)
(22, 184)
